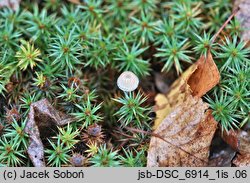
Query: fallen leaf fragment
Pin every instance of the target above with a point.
(242, 160)
(187, 132)
(43, 119)
(13, 4)
(205, 77)
(239, 140)
(231, 138)
(243, 16)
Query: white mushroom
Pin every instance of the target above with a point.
(127, 81)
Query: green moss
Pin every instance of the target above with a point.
(73, 54)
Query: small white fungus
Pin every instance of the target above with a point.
(127, 81)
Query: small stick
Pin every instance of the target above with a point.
(224, 25)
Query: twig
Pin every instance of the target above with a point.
(225, 24)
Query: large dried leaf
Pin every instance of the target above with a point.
(187, 132)
(197, 80)
(13, 4)
(243, 16)
(43, 120)
(205, 77)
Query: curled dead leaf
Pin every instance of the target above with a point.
(188, 131)
(197, 80)
(43, 120)
(205, 77)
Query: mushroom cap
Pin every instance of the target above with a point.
(127, 81)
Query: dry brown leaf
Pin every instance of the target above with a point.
(13, 4)
(244, 17)
(43, 119)
(197, 80)
(242, 160)
(187, 132)
(205, 77)
(231, 138)
(239, 140)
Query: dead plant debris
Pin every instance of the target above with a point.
(43, 120)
